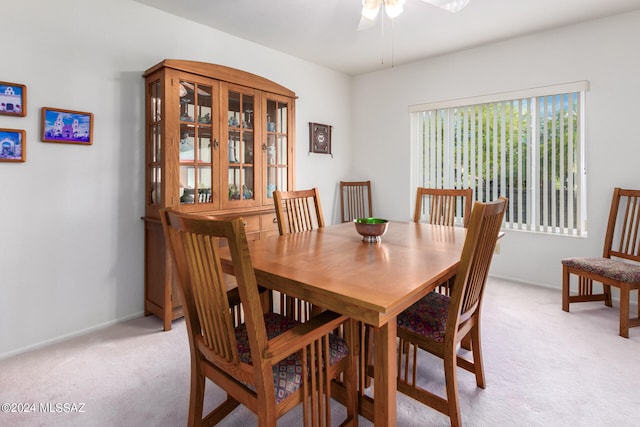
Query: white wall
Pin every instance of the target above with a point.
(604, 52)
(71, 251)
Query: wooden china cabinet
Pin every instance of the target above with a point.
(219, 141)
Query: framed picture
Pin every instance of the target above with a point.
(13, 145)
(319, 138)
(13, 99)
(67, 126)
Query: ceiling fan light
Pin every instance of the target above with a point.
(393, 8)
(370, 8)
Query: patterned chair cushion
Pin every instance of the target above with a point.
(427, 317)
(287, 375)
(617, 270)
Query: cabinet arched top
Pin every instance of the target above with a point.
(222, 73)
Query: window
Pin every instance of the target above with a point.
(528, 146)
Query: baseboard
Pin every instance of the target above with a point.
(70, 335)
(525, 282)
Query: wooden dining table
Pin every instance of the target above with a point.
(331, 267)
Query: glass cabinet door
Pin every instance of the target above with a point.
(196, 143)
(240, 144)
(276, 149)
(154, 141)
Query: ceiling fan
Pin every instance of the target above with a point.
(393, 8)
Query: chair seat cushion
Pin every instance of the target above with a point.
(427, 317)
(613, 269)
(287, 375)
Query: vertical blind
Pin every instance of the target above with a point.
(526, 145)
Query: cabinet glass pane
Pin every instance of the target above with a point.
(240, 146)
(271, 150)
(204, 145)
(276, 162)
(271, 182)
(187, 137)
(187, 101)
(196, 111)
(156, 139)
(282, 149)
(276, 180)
(240, 183)
(204, 104)
(276, 147)
(155, 144)
(156, 181)
(194, 190)
(204, 184)
(233, 147)
(187, 184)
(276, 116)
(155, 107)
(247, 139)
(281, 123)
(247, 112)
(247, 188)
(235, 183)
(271, 116)
(233, 111)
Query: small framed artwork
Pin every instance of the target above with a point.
(13, 145)
(319, 138)
(67, 126)
(13, 99)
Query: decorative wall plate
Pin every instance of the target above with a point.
(319, 138)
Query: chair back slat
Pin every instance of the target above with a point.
(441, 206)
(298, 210)
(623, 238)
(355, 200)
(477, 253)
(209, 292)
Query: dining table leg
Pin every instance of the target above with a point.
(385, 372)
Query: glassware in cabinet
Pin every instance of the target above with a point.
(277, 173)
(196, 173)
(240, 147)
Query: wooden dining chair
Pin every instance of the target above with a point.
(438, 323)
(269, 363)
(298, 210)
(355, 200)
(618, 266)
(443, 206)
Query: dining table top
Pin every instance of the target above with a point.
(372, 282)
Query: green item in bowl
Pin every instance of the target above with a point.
(371, 221)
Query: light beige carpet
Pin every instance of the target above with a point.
(544, 367)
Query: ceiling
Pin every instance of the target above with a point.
(325, 31)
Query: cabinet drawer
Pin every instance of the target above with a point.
(269, 221)
(251, 223)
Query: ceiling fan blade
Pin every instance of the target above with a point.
(369, 15)
(452, 6)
